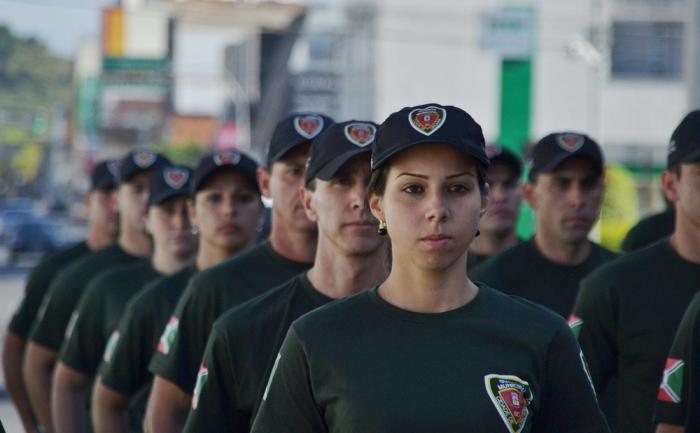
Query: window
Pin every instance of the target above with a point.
(647, 49)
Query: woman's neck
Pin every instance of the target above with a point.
(412, 288)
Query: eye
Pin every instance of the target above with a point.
(295, 170)
(244, 197)
(458, 188)
(413, 189)
(561, 184)
(341, 181)
(214, 198)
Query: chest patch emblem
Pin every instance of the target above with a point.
(427, 120)
(511, 396)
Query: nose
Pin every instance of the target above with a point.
(437, 209)
(359, 200)
(575, 195)
(229, 205)
(182, 221)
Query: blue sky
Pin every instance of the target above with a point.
(61, 24)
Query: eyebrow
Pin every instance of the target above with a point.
(422, 176)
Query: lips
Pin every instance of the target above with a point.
(435, 237)
(229, 229)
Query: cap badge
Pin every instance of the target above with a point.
(360, 134)
(570, 142)
(493, 150)
(511, 396)
(427, 120)
(113, 168)
(144, 158)
(176, 178)
(308, 126)
(227, 158)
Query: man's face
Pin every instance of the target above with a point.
(567, 201)
(504, 200)
(133, 199)
(684, 191)
(340, 208)
(286, 178)
(103, 211)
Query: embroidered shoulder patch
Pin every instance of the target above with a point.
(671, 387)
(168, 337)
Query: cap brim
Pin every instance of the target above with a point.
(103, 185)
(285, 150)
(164, 196)
(692, 157)
(474, 151)
(556, 162)
(250, 175)
(328, 171)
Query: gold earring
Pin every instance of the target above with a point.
(381, 230)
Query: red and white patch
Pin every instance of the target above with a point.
(570, 142)
(427, 120)
(511, 396)
(144, 158)
(227, 158)
(113, 168)
(175, 177)
(360, 134)
(308, 126)
(671, 387)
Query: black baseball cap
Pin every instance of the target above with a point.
(105, 175)
(428, 123)
(685, 141)
(555, 148)
(336, 146)
(498, 153)
(139, 161)
(224, 160)
(168, 182)
(293, 130)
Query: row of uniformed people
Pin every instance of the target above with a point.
(565, 189)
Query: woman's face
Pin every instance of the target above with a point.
(227, 212)
(431, 205)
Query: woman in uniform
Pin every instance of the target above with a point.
(428, 350)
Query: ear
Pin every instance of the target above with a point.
(529, 194)
(306, 196)
(485, 199)
(263, 176)
(669, 185)
(146, 222)
(376, 206)
(191, 211)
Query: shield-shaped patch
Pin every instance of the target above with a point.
(176, 178)
(227, 158)
(113, 168)
(511, 396)
(308, 126)
(570, 142)
(144, 158)
(360, 134)
(427, 120)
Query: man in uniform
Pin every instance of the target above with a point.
(565, 189)
(288, 252)
(628, 311)
(350, 257)
(91, 335)
(224, 193)
(497, 228)
(133, 244)
(103, 227)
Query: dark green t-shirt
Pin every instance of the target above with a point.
(209, 294)
(98, 314)
(38, 283)
(626, 316)
(523, 271)
(58, 305)
(124, 366)
(239, 355)
(497, 364)
(649, 230)
(680, 375)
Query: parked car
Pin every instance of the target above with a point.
(10, 220)
(35, 238)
